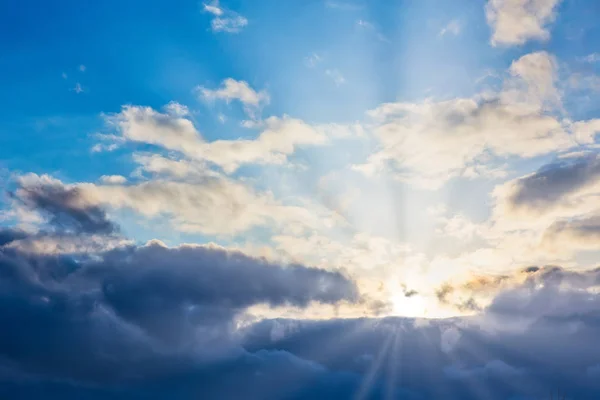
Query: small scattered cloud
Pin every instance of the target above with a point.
(312, 60)
(113, 179)
(64, 75)
(241, 91)
(591, 58)
(78, 88)
(368, 26)
(451, 28)
(224, 20)
(514, 22)
(336, 76)
(82, 68)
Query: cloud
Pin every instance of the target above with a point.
(573, 235)
(148, 308)
(64, 208)
(565, 188)
(368, 26)
(591, 58)
(211, 204)
(514, 22)
(176, 317)
(231, 89)
(279, 138)
(224, 20)
(453, 27)
(336, 76)
(78, 88)
(235, 90)
(429, 142)
(117, 179)
(536, 75)
(312, 60)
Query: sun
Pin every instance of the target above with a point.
(409, 306)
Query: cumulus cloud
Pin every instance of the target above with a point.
(99, 317)
(565, 188)
(429, 142)
(64, 208)
(241, 91)
(172, 316)
(118, 179)
(211, 204)
(224, 20)
(515, 22)
(171, 130)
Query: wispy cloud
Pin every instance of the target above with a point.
(336, 75)
(369, 26)
(591, 58)
(224, 20)
(312, 60)
(451, 28)
(241, 91)
(78, 88)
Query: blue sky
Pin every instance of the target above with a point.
(236, 167)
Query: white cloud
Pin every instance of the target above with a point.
(312, 60)
(82, 68)
(279, 137)
(115, 179)
(429, 142)
(453, 27)
(241, 91)
(212, 205)
(224, 20)
(368, 26)
(533, 83)
(336, 75)
(107, 143)
(592, 58)
(514, 22)
(78, 88)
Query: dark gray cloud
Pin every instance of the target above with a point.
(8, 235)
(151, 322)
(554, 181)
(140, 310)
(65, 208)
(139, 323)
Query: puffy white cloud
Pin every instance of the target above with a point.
(118, 179)
(279, 137)
(232, 89)
(211, 204)
(514, 22)
(429, 142)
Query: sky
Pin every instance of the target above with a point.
(337, 199)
